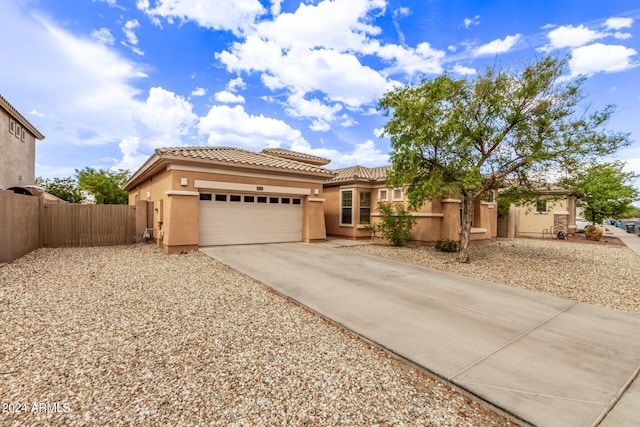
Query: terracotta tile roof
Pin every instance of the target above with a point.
(239, 156)
(20, 118)
(361, 173)
(296, 155)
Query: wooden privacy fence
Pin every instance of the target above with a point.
(88, 225)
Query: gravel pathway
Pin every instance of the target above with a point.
(129, 336)
(596, 274)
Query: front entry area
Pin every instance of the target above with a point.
(234, 219)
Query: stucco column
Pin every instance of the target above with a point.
(451, 221)
(314, 229)
(181, 222)
(571, 207)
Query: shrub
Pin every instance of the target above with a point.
(447, 246)
(395, 224)
(593, 233)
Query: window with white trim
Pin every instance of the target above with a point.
(396, 195)
(383, 195)
(346, 207)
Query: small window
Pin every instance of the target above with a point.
(286, 201)
(396, 195)
(18, 131)
(221, 197)
(541, 206)
(273, 200)
(262, 199)
(346, 207)
(249, 199)
(24, 134)
(235, 198)
(383, 195)
(297, 201)
(12, 126)
(205, 196)
(365, 207)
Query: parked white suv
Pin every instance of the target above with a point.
(581, 223)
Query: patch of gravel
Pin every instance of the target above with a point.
(128, 335)
(596, 274)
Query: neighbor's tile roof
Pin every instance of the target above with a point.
(296, 155)
(242, 157)
(361, 173)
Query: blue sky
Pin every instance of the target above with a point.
(108, 81)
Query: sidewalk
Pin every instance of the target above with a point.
(631, 240)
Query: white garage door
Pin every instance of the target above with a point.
(232, 219)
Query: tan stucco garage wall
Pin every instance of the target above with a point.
(534, 224)
(176, 197)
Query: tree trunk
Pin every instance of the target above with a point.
(465, 235)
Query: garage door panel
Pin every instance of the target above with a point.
(227, 223)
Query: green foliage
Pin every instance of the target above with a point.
(447, 246)
(606, 191)
(632, 212)
(64, 188)
(467, 136)
(104, 185)
(395, 224)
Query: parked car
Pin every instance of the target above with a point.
(581, 223)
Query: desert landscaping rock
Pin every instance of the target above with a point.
(126, 335)
(606, 275)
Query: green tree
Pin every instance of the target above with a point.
(395, 224)
(606, 191)
(104, 185)
(468, 136)
(64, 188)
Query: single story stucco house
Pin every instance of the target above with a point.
(211, 195)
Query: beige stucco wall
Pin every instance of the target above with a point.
(435, 220)
(530, 223)
(177, 229)
(18, 156)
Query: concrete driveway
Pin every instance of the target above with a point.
(548, 361)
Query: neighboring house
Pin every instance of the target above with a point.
(352, 197)
(17, 148)
(552, 212)
(221, 195)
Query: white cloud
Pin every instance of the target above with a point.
(365, 153)
(225, 125)
(235, 16)
(235, 84)
(462, 70)
(104, 36)
(622, 36)
(618, 23)
(199, 91)
(276, 7)
(599, 57)
(570, 36)
(167, 114)
(471, 21)
(401, 12)
(498, 46)
(319, 125)
(298, 106)
(128, 28)
(340, 75)
(228, 97)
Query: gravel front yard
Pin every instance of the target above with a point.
(596, 274)
(127, 335)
